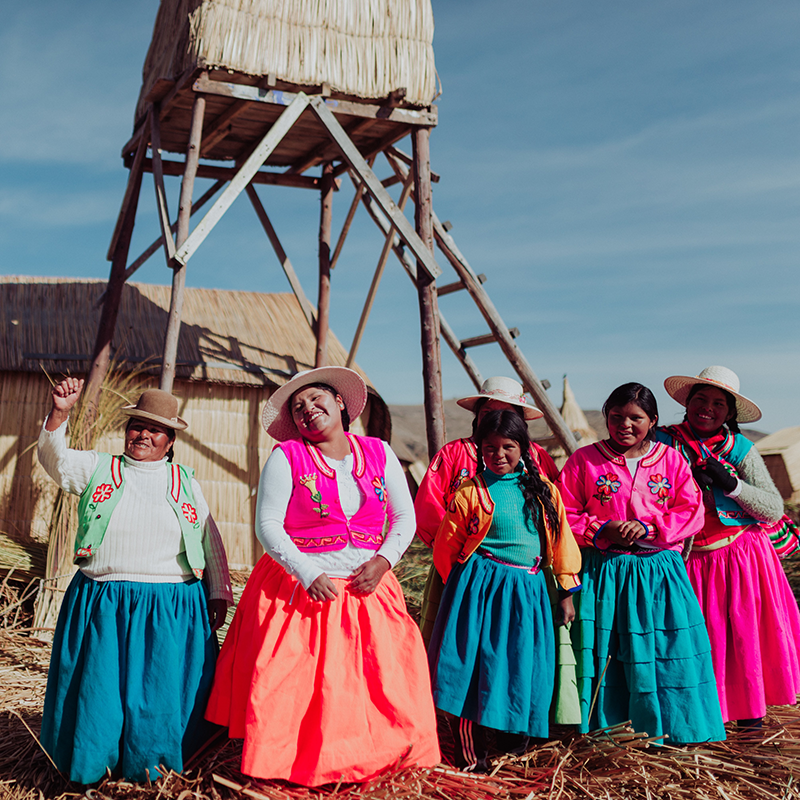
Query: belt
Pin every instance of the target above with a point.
(720, 543)
(532, 570)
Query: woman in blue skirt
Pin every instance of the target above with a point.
(640, 639)
(492, 652)
(134, 649)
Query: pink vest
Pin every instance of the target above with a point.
(314, 518)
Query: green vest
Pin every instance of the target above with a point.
(100, 498)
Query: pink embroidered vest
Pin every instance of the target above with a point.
(314, 518)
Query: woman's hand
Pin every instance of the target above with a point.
(623, 532)
(366, 578)
(565, 610)
(217, 611)
(64, 395)
(322, 589)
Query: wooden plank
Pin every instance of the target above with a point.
(324, 293)
(456, 286)
(376, 278)
(158, 181)
(376, 148)
(407, 116)
(286, 264)
(221, 126)
(406, 159)
(226, 174)
(455, 345)
(351, 212)
(376, 189)
(261, 153)
(486, 338)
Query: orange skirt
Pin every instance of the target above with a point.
(322, 692)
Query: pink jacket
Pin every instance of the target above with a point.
(596, 487)
(451, 466)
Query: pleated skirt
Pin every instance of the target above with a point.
(753, 623)
(130, 672)
(643, 650)
(492, 653)
(323, 692)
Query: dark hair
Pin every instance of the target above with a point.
(330, 390)
(481, 402)
(507, 423)
(633, 393)
(170, 433)
(732, 423)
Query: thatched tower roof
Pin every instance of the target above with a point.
(365, 49)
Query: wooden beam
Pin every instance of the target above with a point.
(486, 338)
(376, 278)
(244, 175)
(286, 264)
(376, 148)
(455, 345)
(324, 294)
(255, 94)
(158, 181)
(406, 159)
(351, 212)
(456, 286)
(221, 126)
(173, 331)
(376, 189)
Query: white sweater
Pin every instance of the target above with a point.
(143, 541)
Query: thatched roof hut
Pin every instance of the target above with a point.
(781, 453)
(235, 349)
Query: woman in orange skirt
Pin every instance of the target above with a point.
(323, 673)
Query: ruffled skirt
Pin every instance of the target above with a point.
(130, 671)
(753, 623)
(639, 635)
(492, 654)
(322, 692)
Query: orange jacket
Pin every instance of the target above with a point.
(467, 521)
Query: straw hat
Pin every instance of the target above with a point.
(158, 406)
(506, 390)
(277, 418)
(678, 387)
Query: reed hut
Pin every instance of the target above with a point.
(235, 349)
(781, 453)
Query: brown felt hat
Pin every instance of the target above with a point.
(159, 406)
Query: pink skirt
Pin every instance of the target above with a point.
(322, 692)
(753, 623)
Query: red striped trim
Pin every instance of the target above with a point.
(116, 471)
(319, 461)
(360, 461)
(471, 448)
(484, 498)
(655, 455)
(176, 483)
(611, 455)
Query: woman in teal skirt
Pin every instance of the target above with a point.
(641, 643)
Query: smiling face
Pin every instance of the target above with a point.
(500, 455)
(316, 412)
(147, 441)
(707, 410)
(628, 426)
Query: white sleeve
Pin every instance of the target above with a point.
(402, 522)
(70, 469)
(274, 492)
(217, 577)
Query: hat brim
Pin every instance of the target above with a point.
(531, 412)
(277, 418)
(679, 386)
(176, 424)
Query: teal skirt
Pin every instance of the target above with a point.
(492, 652)
(130, 673)
(642, 648)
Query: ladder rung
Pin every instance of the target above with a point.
(487, 338)
(449, 288)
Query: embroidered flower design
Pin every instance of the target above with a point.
(102, 492)
(380, 487)
(659, 485)
(472, 528)
(189, 513)
(460, 476)
(607, 485)
(310, 482)
(83, 552)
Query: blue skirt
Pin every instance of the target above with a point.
(492, 652)
(643, 613)
(130, 672)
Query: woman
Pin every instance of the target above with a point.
(750, 612)
(323, 672)
(134, 648)
(643, 651)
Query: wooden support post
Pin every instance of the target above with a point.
(173, 331)
(324, 296)
(158, 180)
(349, 219)
(428, 301)
(108, 318)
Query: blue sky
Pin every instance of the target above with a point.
(625, 173)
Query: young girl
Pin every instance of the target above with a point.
(639, 632)
(492, 652)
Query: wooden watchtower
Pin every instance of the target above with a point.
(300, 93)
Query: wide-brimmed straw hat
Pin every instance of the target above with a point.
(678, 387)
(158, 406)
(506, 390)
(277, 416)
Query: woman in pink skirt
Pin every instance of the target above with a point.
(751, 614)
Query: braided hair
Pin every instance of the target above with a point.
(507, 423)
(732, 423)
